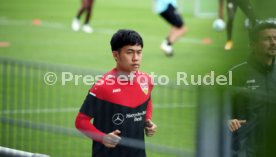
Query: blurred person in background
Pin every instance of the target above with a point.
(120, 103)
(254, 100)
(86, 7)
(231, 8)
(167, 9)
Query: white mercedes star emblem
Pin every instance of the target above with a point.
(118, 118)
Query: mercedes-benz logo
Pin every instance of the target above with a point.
(118, 118)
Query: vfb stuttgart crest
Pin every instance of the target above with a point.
(143, 82)
(145, 87)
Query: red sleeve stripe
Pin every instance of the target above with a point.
(83, 124)
(149, 110)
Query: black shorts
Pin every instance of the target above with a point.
(172, 16)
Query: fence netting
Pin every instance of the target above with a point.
(38, 116)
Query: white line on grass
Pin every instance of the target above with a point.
(191, 40)
(10, 22)
(44, 110)
(65, 110)
(161, 106)
(58, 25)
(47, 24)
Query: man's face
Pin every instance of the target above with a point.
(128, 58)
(266, 44)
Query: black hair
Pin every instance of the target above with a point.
(259, 26)
(125, 37)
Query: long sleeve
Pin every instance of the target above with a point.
(83, 124)
(149, 110)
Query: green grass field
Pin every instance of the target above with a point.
(53, 42)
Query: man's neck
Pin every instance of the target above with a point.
(265, 60)
(125, 74)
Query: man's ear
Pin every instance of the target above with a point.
(115, 55)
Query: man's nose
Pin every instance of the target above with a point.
(135, 56)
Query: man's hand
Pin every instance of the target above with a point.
(150, 128)
(112, 139)
(235, 124)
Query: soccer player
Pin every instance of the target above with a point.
(254, 98)
(231, 11)
(167, 9)
(86, 7)
(120, 103)
(231, 6)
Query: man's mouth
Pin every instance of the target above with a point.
(135, 65)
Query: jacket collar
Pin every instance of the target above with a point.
(260, 66)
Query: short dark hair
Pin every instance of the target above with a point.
(125, 37)
(259, 26)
